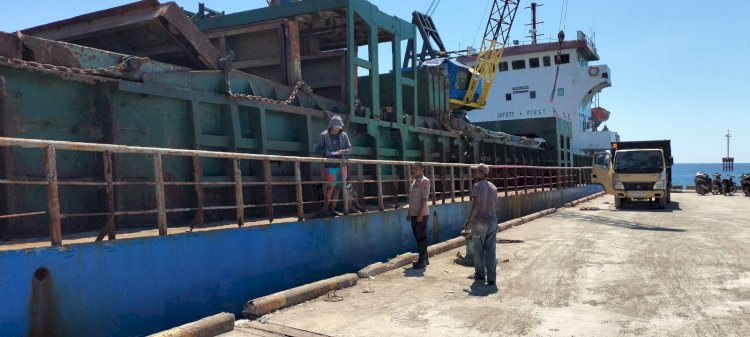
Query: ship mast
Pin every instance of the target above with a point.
(533, 23)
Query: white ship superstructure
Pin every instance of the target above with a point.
(525, 92)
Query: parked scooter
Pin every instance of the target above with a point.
(745, 184)
(728, 186)
(716, 187)
(702, 183)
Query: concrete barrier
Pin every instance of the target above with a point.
(206, 327)
(446, 246)
(263, 305)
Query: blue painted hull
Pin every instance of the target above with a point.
(133, 287)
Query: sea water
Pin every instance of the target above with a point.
(683, 174)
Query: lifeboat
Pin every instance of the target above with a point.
(599, 115)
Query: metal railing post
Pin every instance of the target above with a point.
(379, 178)
(268, 188)
(298, 191)
(161, 213)
(110, 227)
(525, 180)
(453, 184)
(344, 191)
(462, 183)
(505, 180)
(394, 172)
(433, 187)
(198, 179)
(53, 200)
(407, 180)
(515, 180)
(238, 197)
(361, 174)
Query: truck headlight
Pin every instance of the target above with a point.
(659, 185)
(618, 184)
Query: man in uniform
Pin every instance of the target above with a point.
(418, 212)
(483, 218)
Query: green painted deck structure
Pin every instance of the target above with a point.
(395, 115)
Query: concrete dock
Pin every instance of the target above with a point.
(583, 271)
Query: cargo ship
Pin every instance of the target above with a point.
(547, 89)
(158, 165)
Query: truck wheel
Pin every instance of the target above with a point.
(662, 202)
(618, 203)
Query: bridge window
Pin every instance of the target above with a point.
(546, 61)
(508, 97)
(503, 66)
(532, 94)
(560, 91)
(534, 62)
(562, 59)
(519, 64)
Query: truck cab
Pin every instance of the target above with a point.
(635, 171)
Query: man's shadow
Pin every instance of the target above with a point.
(411, 272)
(479, 288)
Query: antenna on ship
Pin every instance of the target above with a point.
(534, 23)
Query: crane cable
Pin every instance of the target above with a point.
(433, 7)
(481, 20)
(558, 57)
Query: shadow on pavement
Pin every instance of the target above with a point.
(620, 223)
(411, 272)
(478, 288)
(641, 206)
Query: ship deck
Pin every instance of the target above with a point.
(583, 271)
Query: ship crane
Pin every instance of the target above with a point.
(496, 34)
(469, 87)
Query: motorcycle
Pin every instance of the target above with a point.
(745, 184)
(702, 183)
(716, 187)
(728, 186)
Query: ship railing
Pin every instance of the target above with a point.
(386, 184)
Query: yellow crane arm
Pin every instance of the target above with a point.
(495, 38)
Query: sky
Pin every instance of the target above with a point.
(679, 68)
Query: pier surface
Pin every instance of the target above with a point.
(583, 271)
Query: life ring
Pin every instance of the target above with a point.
(593, 71)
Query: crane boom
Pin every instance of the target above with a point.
(496, 35)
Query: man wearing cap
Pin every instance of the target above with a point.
(483, 219)
(333, 143)
(418, 212)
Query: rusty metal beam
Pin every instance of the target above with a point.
(110, 227)
(161, 214)
(97, 147)
(238, 197)
(120, 29)
(53, 199)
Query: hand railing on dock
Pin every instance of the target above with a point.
(380, 183)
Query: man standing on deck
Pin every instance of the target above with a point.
(418, 212)
(483, 219)
(333, 143)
